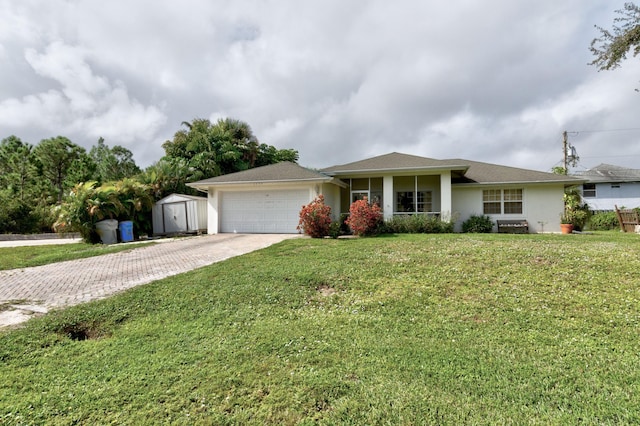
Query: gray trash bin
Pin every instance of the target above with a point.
(108, 231)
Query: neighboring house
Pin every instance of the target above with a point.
(268, 199)
(607, 186)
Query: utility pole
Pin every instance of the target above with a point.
(568, 159)
(565, 146)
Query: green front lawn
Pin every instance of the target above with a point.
(415, 329)
(23, 257)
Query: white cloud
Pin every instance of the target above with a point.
(490, 81)
(281, 131)
(82, 103)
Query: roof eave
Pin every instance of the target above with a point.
(523, 182)
(204, 184)
(462, 168)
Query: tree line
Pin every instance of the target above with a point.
(40, 184)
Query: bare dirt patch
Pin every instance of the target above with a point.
(326, 290)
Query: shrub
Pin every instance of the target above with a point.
(88, 203)
(364, 218)
(334, 230)
(417, 224)
(478, 224)
(604, 221)
(17, 216)
(315, 218)
(575, 211)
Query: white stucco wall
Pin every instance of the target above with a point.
(332, 199)
(542, 208)
(213, 200)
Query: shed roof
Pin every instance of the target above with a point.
(171, 198)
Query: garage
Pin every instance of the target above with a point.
(262, 212)
(265, 200)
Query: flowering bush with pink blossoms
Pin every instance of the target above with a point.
(315, 218)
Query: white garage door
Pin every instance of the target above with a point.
(262, 212)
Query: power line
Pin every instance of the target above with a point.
(577, 132)
(613, 156)
(569, 152)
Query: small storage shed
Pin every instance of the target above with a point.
(178, 214)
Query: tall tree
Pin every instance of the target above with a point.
(19, 181)
(112, 164)
(63, 163)
(17, 169)
(167, 176)
(225, 147)
(611, 48)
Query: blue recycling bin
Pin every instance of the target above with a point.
(126, 231)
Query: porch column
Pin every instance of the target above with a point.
(445, 195)
(213, 204)
(387, 196)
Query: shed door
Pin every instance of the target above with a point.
(262, 212)
(175, 217)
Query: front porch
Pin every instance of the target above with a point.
(428, 194)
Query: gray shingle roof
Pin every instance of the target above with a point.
(279, 172)
(485, 173)
(609, 173)
(392, 162)
(463, 172)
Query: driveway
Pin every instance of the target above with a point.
(34, 291)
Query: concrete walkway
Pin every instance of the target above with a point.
(32, 291)
(50, 241)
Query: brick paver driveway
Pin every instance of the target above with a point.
(26, 291)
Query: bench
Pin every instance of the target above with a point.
(513, 226)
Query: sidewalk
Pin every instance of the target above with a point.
(50, 241)
(34, 291)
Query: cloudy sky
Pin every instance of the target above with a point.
(495, 81)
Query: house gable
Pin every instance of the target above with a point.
(393, 162)
(462, 171)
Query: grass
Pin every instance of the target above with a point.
(415, 329)
(24, 257)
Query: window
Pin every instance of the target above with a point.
(367, 187)
(413, 202)
(492, 201)
(404, 201)
(589, 190)
(424, 201)
(499, 201)
(512, 201)
(359, 195)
